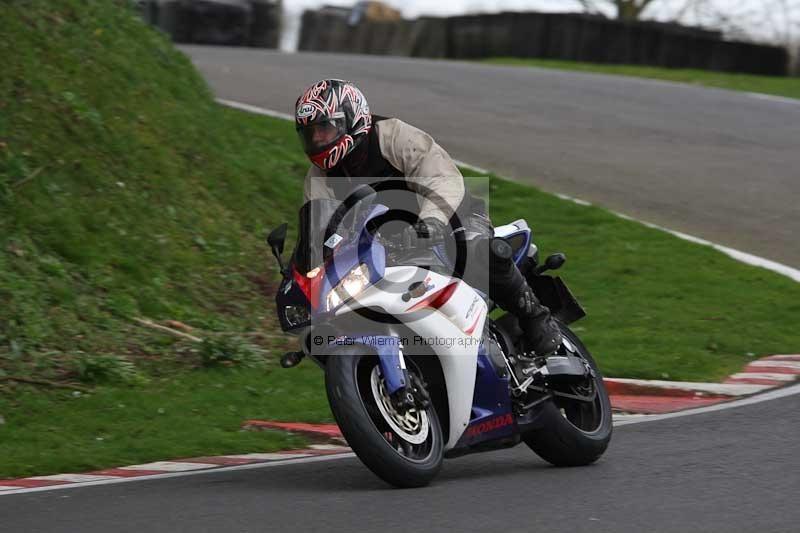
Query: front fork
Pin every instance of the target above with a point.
(406, 390)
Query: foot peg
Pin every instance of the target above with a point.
(291, 359)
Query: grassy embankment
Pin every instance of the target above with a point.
(775, 85)
(126, 193)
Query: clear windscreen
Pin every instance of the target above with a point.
(325, 224)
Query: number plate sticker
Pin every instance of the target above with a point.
(333, 240)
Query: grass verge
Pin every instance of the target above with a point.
(126, 193)
(182, 415)
(775, 85)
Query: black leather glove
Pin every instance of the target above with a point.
(426, 232)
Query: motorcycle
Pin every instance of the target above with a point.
(415, 368)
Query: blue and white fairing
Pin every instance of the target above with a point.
(448, 317)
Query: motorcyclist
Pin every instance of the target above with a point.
(347, 144)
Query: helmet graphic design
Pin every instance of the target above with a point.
(332, 117)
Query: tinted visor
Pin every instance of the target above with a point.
(321, 135)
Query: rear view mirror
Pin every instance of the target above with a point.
(276, 240)
(553, 262)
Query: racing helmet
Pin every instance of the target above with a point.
(332, 117)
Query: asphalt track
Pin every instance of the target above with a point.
(718, 164)
(730, 470)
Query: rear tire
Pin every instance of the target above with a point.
(364, 426)
(572, 434)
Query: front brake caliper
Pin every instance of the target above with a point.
(414, 396)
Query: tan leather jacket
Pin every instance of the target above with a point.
(425, 165)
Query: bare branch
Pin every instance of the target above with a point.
(175, 333)
(590, 6)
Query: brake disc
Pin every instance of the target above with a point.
(412, 426)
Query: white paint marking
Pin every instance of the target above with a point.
(254, 109)
(17, 490)
(764, 375)
(783, 357)
(6, 487)
(170, 466)
(764, 397)
(738, 255)
(269, 456)
(329, 447)
(777, 364)
(573, 200)
(74, 478)
(712, 388)
(470, 166)
(619, 417)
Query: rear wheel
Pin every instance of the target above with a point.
(404, 449)
(574, 432)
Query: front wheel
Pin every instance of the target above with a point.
(574, 432)
(405, 450)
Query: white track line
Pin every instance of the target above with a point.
(170, 466)
(114, 481)
(793, 365)
(763, 397)
(254, 109)
(73, 478)
(710, 388)
(471, 167)
(764, 375)
(267, 456)
(738, 255)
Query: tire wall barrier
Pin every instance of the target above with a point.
(429, 37)
(148, 9)
(172, 21)
(573, 37)
(265, 26)
(794, 62)
(223, 22)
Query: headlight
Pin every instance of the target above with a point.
(350, 286)
(295, 315)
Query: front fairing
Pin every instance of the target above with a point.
(329, 247)
(364, 250)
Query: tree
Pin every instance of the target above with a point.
(625, 9)
(775, 21)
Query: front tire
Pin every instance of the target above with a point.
(403, 451)
(570, 432)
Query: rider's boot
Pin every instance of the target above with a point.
(511, 292)
(542, 334)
